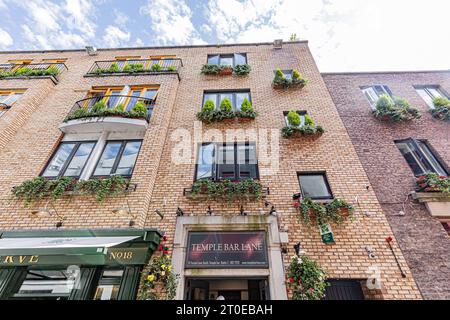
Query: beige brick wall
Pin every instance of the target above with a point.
(161, 183)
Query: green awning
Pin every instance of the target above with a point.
(78, 247)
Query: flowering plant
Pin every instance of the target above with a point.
(306, 279)
(160, 276)
(432, 182)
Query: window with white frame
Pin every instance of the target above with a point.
(302, 115)
(373, 93)
(8, 98)
(429, 93)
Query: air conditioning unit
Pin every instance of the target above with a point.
(278, 43)
(92, 51)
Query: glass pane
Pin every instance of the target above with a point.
(47, 284)
(213, 59)
(240, 58)
(149, 94)
(314, 186)
(226, 95)
(78, 161)
(412, 157)
(212, 97)
(226, 61)
(288, 74)
(226, 162)
(437, 168)
(135, 94)
(113, 99)
(426, 97)
(435, 92)
(247, 161)
(371, 96)
(109, 285)
(54, 167)
(128, 159)
(240, 98)
(107, 159)
(11, 98)
(205, 161)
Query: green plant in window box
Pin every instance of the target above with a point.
(395, 109)
(335, 211)
(133, 67)
(244, 189)
(280, 81)
(156, 67)
(293, 118)
(171, 68)
(432, 182)
(441, 109)
(98, 107)
(306, 279)
(298, 80)
(295, 128)
(140, 110)
(211, 69)
(242, 69)
(102, 188)
(247, 110)
(114, 68)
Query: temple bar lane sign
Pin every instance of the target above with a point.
(227, 250)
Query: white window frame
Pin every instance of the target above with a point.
(372, 95)
(425, 93)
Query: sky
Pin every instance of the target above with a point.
(344, 35)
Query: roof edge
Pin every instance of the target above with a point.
(217, 45)
(382, 72)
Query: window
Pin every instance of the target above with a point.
(46, 284)
(69, 160)
(446, 225)
(301, 114)
(314, 186)
(8, 98)
(429, 93)
(236, 98)
(373, 93)
(124, 60)
(118, 157)
(109, 285)
(227, 59)
(235, 161)
(420, 157)
(287, 73)
(126, 95)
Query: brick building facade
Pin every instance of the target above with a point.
(34, 128)
(422, 237)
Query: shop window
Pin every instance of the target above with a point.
(109, 285)
(8, 98)
(46, 285)
(315, 186)
(429, 93)
(118, 157)
(420, 157)
(373, 93)
(235, 161)
(228, 59)
(236, 98)
(69, 159)
(344, 290)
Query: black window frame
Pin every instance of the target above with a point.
(432, 151)
(288, 73)
(301, 113)
(215, 166)
(117, 160)
(69, 159)
(228, 55)
(325, 179)
(233, 92)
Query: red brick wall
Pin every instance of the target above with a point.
(422, 239)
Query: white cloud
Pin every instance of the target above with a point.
(115, 37)
(170, 21)
(58, 26)
(5, 39)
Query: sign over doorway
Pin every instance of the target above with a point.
(247, 249)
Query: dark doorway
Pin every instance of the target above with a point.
(234, 289)
(344, 290)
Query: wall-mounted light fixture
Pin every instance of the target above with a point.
(125, 211)
(45, 212)
(242, 211)
(209, 211)
(180, 212)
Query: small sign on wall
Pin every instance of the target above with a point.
(227, 250)
(326, 234)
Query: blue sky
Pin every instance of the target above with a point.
(344, 35)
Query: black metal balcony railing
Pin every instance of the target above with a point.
(136, 66)
(32, 70)
(113, 105)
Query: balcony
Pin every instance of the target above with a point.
(135, 67)
(120, 113)
(32, 71)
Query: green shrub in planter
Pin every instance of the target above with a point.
(211, 69)
(98, 107)
(308, 120)
(226, 105)
(114, 67)
(140, 109)
(80, 113)
(156, 67)
(247, 110)
(395, 109)
(242, 69)
(209, 106)
(293, 118)
(441, 109)
(120, 107)
(171, 68)
(133, 67)
(280, 79)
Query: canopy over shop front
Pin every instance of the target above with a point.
(77, 247)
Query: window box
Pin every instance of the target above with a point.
(288, 79)
(298, 123)
(395, 109)
(135, 66)
(228, 189)
(441, 109)
(32, 70)
(434, 190)
(226, 64)
(226, 71)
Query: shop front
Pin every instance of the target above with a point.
(228, 258)
(74, 265)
